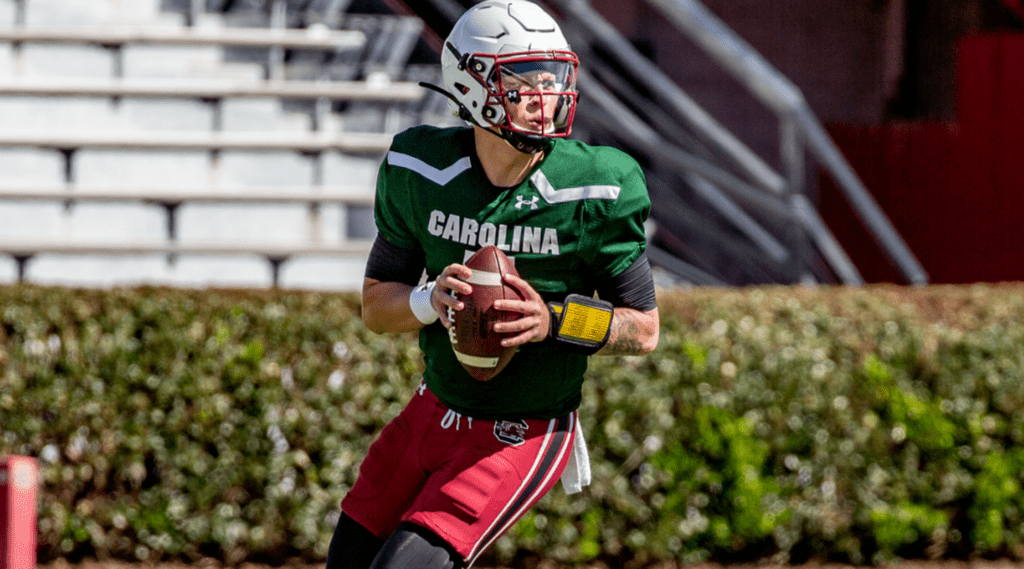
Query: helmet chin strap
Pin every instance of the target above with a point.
(525, 143)
(464, 113)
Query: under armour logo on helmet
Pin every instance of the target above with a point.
(532, 202)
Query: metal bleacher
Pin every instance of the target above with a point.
(197, 146)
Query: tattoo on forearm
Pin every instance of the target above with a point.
(628, 329)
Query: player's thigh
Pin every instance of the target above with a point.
(487, 487)
(390, 476)
(352, 545)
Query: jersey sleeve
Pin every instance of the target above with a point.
(391, 207)
(620, 224)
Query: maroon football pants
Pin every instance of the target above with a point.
(467, 480)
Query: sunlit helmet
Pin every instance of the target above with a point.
(506, 64)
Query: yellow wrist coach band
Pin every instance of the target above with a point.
(580, 324)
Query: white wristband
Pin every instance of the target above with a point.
(419, 303)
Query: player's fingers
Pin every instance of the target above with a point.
(518, 325)
(534, 322)
(530, 329)
(521, 306)
(524, 288)
(445, 304)
(454, 277)
(451, 280)
(519, 339)
(447, 300)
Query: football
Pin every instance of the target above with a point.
(476, 344)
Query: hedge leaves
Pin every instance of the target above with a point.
(840, 424)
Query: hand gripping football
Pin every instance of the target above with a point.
(476, 344)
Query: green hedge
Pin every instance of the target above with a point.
(841, 424)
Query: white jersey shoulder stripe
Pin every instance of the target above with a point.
(553, 196)
(439, 177)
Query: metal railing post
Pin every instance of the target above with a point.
(774, 90)
(654, 79)
(792, 159)
(278, 22)
(195, 11)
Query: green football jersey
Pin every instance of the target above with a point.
(576, 221)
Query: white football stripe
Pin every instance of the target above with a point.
(484, 278)
(566, 445)
(477, 549)
(475, 361)
(480, 547)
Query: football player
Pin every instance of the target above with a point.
(466, 459)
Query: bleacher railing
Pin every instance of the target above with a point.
(738, 181)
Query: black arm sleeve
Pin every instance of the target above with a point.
(390, 263)
(632, 288)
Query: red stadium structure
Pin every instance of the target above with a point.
(1015, 6)
(951, 187)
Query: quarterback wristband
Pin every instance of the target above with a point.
(581, 324)
(419, 303)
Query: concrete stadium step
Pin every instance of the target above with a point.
(187, 142)
(260, 170)
(96, 12)
(115, 40)
(32, 60)
(182, 169)
(166, 115)
(31, 167)
(84, 115)
(198, 62)
(95, 270)
(261, 115)
(348, 170)
(103, 115)
(31, 220)
(191, 88)
(307, 273)
(279, 223)
(369, 143)
(131, 221)
(88, 265)
(313, 273)
(7, 13)
(186, 170)
(136, 61)
(6, 60)
(8, 270)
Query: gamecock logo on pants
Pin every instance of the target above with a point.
(511, 432)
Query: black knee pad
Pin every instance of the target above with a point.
(352, 546)
(415, 547)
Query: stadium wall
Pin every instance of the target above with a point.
(951, 188)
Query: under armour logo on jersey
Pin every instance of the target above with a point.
(532, 202)
(511, 432)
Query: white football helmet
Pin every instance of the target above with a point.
(506, 64)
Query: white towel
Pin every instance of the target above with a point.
(577, 472)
